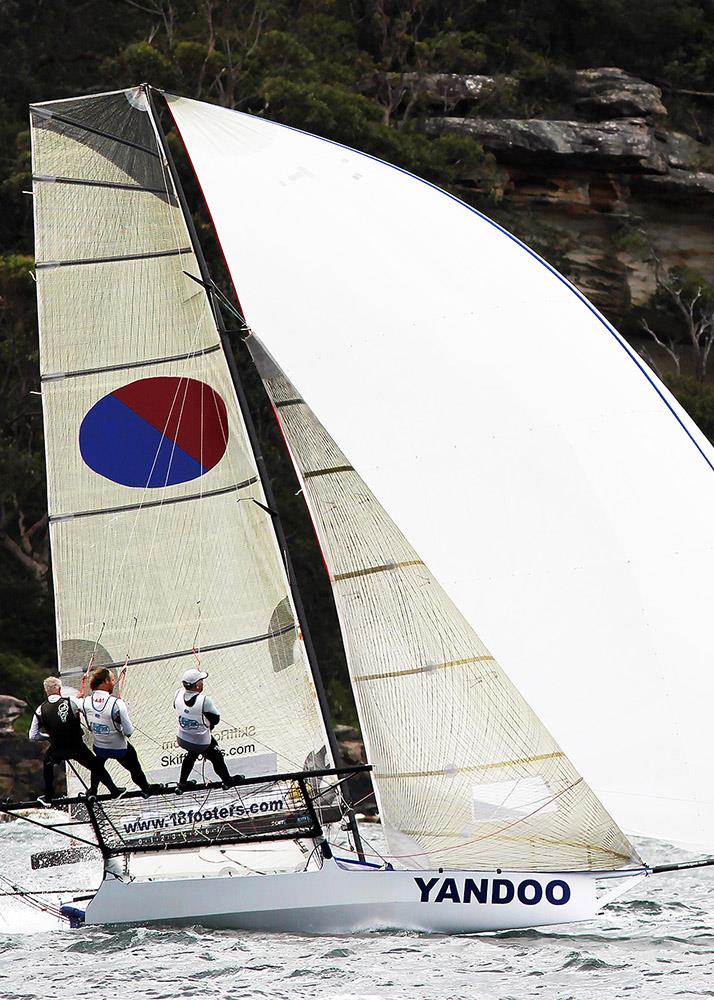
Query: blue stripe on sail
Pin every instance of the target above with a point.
(524, 246)
(121, 446)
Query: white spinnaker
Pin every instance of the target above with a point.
(467, 776)
(555, 488)
(147, 573)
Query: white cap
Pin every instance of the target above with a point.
(193, 676)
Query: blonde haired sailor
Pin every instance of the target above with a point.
(196, 716)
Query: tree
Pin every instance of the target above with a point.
(689, 299)
(23, 517)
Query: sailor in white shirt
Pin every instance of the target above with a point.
(108, 720)
(196, 716)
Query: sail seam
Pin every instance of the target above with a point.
(376, 569)
(328, 472)
(55, 376)
(426, 669)
(468, 770)
(52, 116)
(50, 179)
(192, 652)
(112, 260)
(55, 518)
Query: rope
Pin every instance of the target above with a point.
(31, 901)
(47, 892)
(77, 775)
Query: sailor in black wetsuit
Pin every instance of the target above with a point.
(57, 719)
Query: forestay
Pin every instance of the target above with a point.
(162, 554)
(467, 775)
(552, 484)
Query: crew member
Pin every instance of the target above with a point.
(108, 719)
(58, 720)
(197, 716)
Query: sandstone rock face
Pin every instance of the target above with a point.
(10, 710)
(680, 183)
(588, 184)
(21, 767)
(446, 90)
(623, 144)
(680, 151)
(609, 92)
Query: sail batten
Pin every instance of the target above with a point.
(128, 365)
(195, 651)
(427, 668)
(40, 178)
(369, 570)
(147, 504)
(111, 260)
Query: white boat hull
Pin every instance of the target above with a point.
(341, 899)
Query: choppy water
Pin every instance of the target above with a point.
(657, 942)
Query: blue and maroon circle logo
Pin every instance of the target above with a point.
(155, 432)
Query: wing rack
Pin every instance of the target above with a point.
(275, 807)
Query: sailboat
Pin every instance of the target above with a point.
(362, 294)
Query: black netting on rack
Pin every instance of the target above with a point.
(275, 810)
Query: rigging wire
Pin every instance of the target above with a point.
(493, 833)
(29, 897)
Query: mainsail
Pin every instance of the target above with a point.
(552, 484)
(164, 555)
(467, 775)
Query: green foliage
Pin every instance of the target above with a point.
(456, 51)
(21, 454)
(633, 241)
(333, 44)
(542, 79)
(322, 108)
(22, 678)
(693, 285)
(697, 398)
(142, 62)
(281, 54)
(680, 287)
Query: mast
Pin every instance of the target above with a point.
(257, 451)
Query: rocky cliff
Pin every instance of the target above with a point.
(20, 760)
(602, 185)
